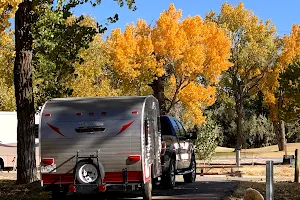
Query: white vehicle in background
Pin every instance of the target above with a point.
(8, 140)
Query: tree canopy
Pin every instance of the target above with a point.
(188, 54)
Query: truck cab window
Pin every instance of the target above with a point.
(175, 126)
(181, 129)
(165, 127)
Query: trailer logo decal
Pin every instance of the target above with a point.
(125, 127)
(56, 130)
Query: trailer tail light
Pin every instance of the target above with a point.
(48, 161)
(103, 113)
(134, 158)
(135, 112)
(101, 188)
(163, 147)
(79, 114)
(72, 188)
(47, 115)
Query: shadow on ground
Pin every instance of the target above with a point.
(199, 190)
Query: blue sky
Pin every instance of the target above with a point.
(282, 13)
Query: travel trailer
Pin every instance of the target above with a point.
(8, 140)
(109, 144)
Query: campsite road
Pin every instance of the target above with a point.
(205, 188)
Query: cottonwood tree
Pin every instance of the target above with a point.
(24, 19)
(279, 85)
(180, 59)
(253, 54)
(7, 101)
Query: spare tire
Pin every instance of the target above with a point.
(87, 172)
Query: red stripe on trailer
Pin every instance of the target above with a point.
(56, 130)
(57, 178)
(110, 177)
(117, 177)
(126, 126)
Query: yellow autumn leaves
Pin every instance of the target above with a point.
(181, 50)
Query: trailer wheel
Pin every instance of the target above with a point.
(87, 172)
(191, 177)
(1, 164)
(147, 190)
(170, 176)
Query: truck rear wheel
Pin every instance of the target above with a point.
(147, 190)
(191, 177)
(170, 176)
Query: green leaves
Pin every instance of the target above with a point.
(290, 87)
(57, 42)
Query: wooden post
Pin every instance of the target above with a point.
(297, 166)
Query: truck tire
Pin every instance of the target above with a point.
(147, 190)
(191, 177)
(87, 172)
(170, 176)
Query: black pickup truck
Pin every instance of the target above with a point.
(178, 156)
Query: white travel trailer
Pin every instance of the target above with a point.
(8, 140)
(98, 144)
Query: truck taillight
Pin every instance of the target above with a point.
(134, 158)
(48, 161)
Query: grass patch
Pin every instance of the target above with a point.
(280, 171)
(270, 151)
(282, 190)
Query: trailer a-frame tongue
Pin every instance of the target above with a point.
(98, 144)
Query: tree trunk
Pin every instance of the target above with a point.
(158, 87)
(280, 133)
(239, 100)
(26, 163)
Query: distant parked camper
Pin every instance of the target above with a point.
(98, 144)
(8, 140)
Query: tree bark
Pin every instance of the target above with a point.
(239, 101)
(158, 87)
(280, 133)
(26, 162)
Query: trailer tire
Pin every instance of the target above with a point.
(80, 169)
(1, 164)
(147, 190)
(170, 176)
(191, 177)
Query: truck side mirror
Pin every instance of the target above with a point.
(193, 136)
